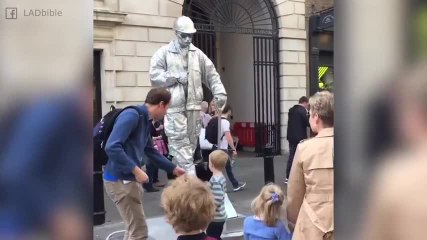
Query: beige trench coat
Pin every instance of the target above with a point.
(311, 188)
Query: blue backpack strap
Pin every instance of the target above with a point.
(135, 108)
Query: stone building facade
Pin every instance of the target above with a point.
(128, 32)
(318, 5)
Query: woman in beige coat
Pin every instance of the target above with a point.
(311, 182)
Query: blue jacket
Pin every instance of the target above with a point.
(130, 145)
(255, 229)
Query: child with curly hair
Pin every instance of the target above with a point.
(189, 207)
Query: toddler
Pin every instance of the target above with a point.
(266, 223)
(189, 207)
(217, 161)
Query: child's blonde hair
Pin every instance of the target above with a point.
(268, 204)
(188, 204)
(219, 159)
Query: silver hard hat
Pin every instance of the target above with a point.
(185, 25)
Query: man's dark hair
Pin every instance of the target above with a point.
(157, 95)
(226, 108)
(303, 99)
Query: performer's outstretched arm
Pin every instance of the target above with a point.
(213, 80)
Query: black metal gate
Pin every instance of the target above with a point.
(267, 102)
(206, 41)
(257, 18)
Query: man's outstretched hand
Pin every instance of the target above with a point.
(140, 175)
(178, 171)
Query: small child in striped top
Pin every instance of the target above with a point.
(217, 161)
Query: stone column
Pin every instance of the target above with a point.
(292, 57)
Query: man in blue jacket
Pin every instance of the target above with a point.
(127, 147)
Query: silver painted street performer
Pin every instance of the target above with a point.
(182, 68)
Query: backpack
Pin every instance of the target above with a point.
(212, 131)
(102, 131)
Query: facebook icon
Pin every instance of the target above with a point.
(11, 13)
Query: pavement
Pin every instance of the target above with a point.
(247, 168)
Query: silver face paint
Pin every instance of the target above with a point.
(184, 39)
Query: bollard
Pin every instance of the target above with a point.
(268, 164)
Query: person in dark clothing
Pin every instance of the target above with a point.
(297, 128)
(160, 143)
(152, 170)
(160, 126)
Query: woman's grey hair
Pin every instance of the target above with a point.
(322, 104)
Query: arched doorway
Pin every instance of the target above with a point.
(255, 22)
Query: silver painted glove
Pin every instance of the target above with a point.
(220, 101)
(182, 78)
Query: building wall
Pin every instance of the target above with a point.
(146, 26)
(235, 65)
(319, 5)
(130, 31)
(293, 58)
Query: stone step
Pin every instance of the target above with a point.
(233, 229)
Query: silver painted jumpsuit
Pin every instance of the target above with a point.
(182, 121)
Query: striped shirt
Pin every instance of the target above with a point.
(217, 184)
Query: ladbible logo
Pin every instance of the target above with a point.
(11, 13)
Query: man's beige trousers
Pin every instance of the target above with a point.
(128, 199)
